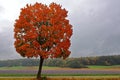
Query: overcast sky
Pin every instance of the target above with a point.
(96, 26)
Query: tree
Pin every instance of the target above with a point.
(42, 31)
(75, 63)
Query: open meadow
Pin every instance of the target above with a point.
(58, 73)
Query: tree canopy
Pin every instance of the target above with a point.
(43, 30)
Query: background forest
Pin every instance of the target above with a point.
(81, 62)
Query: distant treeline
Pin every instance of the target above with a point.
(70, 62)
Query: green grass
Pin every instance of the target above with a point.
(26, 68)
(62, 78)
(33, 75)
(51, 68)
(47, 67)
(12, 68)
(17, 75)
(103, 67)
(80, 74)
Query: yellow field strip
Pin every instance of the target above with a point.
(65, 78)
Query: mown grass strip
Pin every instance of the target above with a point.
(102, 67)
(64, 78)
(81, 74)
(28, 67)
(33, 75)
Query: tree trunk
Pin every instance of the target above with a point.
(40, 68)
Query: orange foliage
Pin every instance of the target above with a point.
(42, 30)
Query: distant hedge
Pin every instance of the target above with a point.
(70, 62)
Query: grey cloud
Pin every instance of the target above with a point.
(7, 50)
(97, 30)
(1, 8)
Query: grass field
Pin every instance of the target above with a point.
(70, 76)
(64, 78)
(104, 67)
(28, 68)
(33, 75)
(53, 68)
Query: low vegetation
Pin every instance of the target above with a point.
(24, 71)
(115, 67)
(60, 75)
(82, 62)
(66, 78)
(86, 62)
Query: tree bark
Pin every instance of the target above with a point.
(40, 68)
